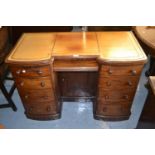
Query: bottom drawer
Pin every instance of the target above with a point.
(42, 108)
(113, 110)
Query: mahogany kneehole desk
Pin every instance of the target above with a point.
(103, 67)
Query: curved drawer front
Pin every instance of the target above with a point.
(34, 83)
(118, 83)
(121, 70)
(36, 96)
(102, 101)
(41, 109)
(113, 110)
(30, 71)
(116, 95)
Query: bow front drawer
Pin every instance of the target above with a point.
(113, 110)
(41, 109)
(37, 96)
(118, 83)
(30, 71)
(121, 70)
(116, 95)
(34, 83)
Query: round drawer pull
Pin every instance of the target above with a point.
(108, 83)
(18, 72)
(45, 97)
(42, 84)
(126, 97)
(104, 109)
(26, 96)
(30, 109)
(106, 97)
(39, 72)
(23, 71)
(129, 83)
(110, 71)
(48, 108)
(22, 84)
(134, 72)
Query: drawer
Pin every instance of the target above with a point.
(36, 96)
(34, 83)
(42, 109)
(121, 70)
(30, 71)
(75, 65)
(116, 95)
(118, 83)
(113, 110)
(102, 101)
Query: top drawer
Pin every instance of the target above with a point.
(30, 71)
(121, 70)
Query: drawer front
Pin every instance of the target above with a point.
(30, 71)
(120, 70)
(36, 96)
(118, 82)
(102, 101)
(116, 95)
(34, 83)
(41, 109)
(113, 110)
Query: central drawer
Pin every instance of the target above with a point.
(34, 83)
(75, 65)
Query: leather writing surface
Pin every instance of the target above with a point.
(33, 46)
(119, 46)
(76, 43)
(107, 46)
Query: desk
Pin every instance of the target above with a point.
(103, 67)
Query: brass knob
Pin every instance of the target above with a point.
(48, 108)
(42, 84)
(63, 79)
(18, 72)
(108, 83)
(126, 97)
(26, 96)
(133, 72)
(22, 84)
(129, 83)
(110, 71)
(45, 97)
(104, 109)
(30, 109)
(23, 71)
(106, 97)
(39, 72)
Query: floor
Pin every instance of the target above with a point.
(74, 114)
(146, 125)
